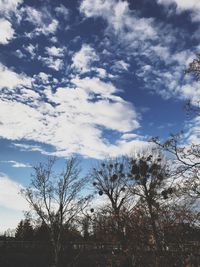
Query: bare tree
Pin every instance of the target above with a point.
(187, 159)
(191, 109)
(103, 226)
(149, 174)
(55, 198)
(177, 219)
(194, 67)
(110, 179)
(85, 224)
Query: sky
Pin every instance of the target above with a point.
(95, 78)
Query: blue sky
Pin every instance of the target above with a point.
(91, 77)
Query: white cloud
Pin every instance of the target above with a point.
(125, 23)
(25, 147)
(101, 72)
(32, 50)
(33, 15)
(16, 164)
(191, 91)
(129, 147)
(56, 64)
(10, 196)
(95, 85)
(183, 5)
(54, 39)
(19, 53)
(52, 63)
(6, 31)
(42, 77)
(23, 125)
(194, 131)
(162, 52)
(11, 79)
(183, 58)
(51, 28)
(9, 6)
(120, 66)
(128, 136)
(83, 59)
(164, 73)
(62, 10)
(170, 79)
(55, 51)
(75, 120)
(75, 117)
(109, 115)
(96, 8)
(44, 23)
(8, 12)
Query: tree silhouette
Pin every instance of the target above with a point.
(187, 162)
(109, 180)
(56, 199)
(24, 231)
(148, 174)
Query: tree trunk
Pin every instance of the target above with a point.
(56, 248)
(56, 254)
(158, 244)
(154, 228)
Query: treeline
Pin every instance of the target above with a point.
(149, 201)
(25, 231)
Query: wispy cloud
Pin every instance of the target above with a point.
(120, 19)
(25, 147)
(145, 40)
(73, 108)
(32, 50)
(9, 14)
(52, 63)
(72, 119)
(55, 51)
(9, 8)
(83, 59)
(183, 5)
(16, 164)
(42, 20)
(192, 131)
(153, 46)
(63, 11)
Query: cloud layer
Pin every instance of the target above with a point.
(71, 119)
(67, 94)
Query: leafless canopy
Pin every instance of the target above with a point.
(110, 179)
(188, 159)
(194, 67)
(55, 198)
(188, 156)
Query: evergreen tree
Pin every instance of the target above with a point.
(24, 231)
